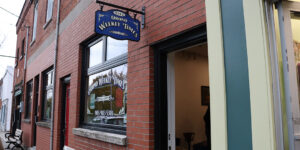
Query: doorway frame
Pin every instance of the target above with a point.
(171, 100)
(35, 110)
(64, 82)
(193, 36)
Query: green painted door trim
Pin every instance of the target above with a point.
(236, 72)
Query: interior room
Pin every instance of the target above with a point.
(192, 117)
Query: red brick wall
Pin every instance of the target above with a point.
(26, 135)
(43, 138)
(164, 18)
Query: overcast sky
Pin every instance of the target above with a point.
(8, 31)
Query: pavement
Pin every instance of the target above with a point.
(4, 145)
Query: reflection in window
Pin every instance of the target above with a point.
(105, 94)
(116, 48)
(49, 10)
(96, 54)
(35, 21)
(106, 97)
(295, 23)
(28, 100)
(48, 95)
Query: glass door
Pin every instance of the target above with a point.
(291, 12)
(288, 41)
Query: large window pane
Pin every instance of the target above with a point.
(28, 100)
(106, 97)
(116, 48)
(35, 21)
(48, 95)
(295, 25)
(96, 54)
(48, 102)
(49, 10)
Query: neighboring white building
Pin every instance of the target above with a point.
(6, 98)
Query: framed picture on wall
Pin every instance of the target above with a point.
(205, 95)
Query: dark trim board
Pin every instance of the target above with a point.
(182, 40)
(239, 129)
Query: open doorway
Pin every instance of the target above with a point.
(17, 113)
(188, 98)
(65, 112)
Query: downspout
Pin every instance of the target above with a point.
(54, 74)
(24, 71)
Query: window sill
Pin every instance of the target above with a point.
(47, 23)
(27, 120)
(67, 148)
(32, 42)
(44, 124)
(102, 136)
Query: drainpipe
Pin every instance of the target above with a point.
(54, 74)
(25, 66)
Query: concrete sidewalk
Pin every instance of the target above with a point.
(3, 139)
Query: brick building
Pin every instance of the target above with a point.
(202, 75)
(76, 33)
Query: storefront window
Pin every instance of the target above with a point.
(48, 95)
(116, 48)
(106, 85)
(96, 54)
(107, 96)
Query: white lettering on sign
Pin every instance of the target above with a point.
(119, 19)
(104, 98)
(107, 80)
(104, 113)
(119, 13)
(109, 24)
(127, 27)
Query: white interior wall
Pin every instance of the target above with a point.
(191, 72)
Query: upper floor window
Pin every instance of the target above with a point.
(47, 95)
(22, 49)
(106, 85)
(17, 57)
(35, 17)
(28, 100)
(49, 10)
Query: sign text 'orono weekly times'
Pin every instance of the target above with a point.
(117, 24)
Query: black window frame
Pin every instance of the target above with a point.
(86, 72)
(46, 88)
(29, 86)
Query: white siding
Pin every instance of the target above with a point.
(6, 96)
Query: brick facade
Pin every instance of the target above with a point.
(163, 19)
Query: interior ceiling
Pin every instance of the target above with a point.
(194, 52)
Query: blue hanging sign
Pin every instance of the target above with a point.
(117, 24)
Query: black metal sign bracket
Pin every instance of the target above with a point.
(126, 9)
